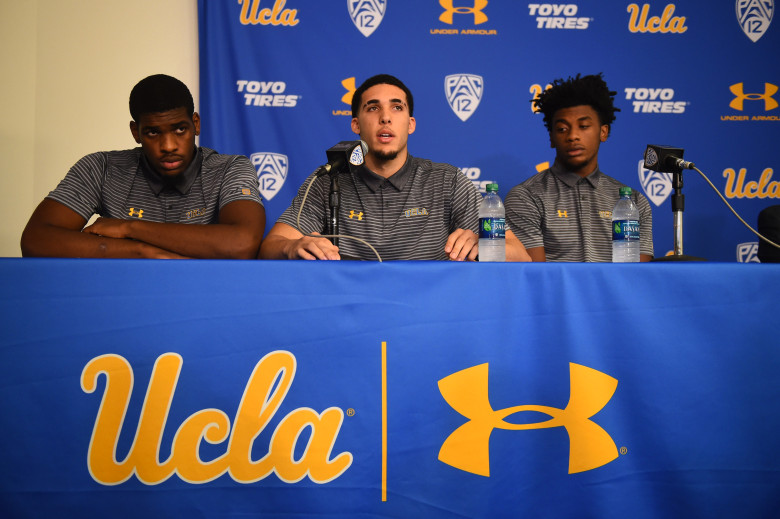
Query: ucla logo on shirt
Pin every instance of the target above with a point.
(657, 186)
(754, 17)
(464, 92)
(748, 252)
(416, 211)
(271, 172)
(367, 14)
(468, 447)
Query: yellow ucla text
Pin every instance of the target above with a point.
(251, 14)
(667, 22)
(263, 395)
(417, 211)
(468, 447)
(736, 187)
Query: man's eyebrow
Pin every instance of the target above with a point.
(376, 102)
(579, 119)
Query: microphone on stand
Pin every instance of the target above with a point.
(346, 153)
(668, 159)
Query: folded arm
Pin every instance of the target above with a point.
(56, 230)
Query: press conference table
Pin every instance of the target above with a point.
(294, 389)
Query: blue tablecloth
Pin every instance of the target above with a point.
(297, 389)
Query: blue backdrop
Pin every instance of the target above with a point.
(277, 77)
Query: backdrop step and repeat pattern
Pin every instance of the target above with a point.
(277, 77)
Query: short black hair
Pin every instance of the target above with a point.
(381, 79)
(589, 90)
(160, 93)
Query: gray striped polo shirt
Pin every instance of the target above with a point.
(405, 217)
(571, 216)
(117, 184)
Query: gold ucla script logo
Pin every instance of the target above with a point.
(666, 23)
(251, 14)
(266, 389)
(468, 447)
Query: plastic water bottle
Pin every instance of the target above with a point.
(625, 229)
(492, 241)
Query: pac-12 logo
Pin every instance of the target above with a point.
(656, 185)
(464, 92)
(748, 252)
(468, 447)
(367, 14)
(271, 172)
(754, 17)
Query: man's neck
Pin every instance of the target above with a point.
(386, 168)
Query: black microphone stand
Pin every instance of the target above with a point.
(678, 205)
(334, 201)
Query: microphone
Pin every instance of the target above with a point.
(345, 153)
(665, 159)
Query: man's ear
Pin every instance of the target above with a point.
(604, 132)
(355, 126)
(196, 122)
(134, 131)
(412, 125)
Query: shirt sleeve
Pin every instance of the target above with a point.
(314, 214)
(465, 204)
(524, 216)
(239, 182)
(82, 186)
(645, 225)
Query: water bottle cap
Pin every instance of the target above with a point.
(625, 191)
(491, 188)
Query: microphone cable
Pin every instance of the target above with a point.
(298, 223)
(733, 211)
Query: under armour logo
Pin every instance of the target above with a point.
(562, 214)
(133, 212)
(349, 85)
(468, 447)
(353, 214)
(449, 13)
(738, 102)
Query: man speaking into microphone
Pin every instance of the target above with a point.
(407, 208)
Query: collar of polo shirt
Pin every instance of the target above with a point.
(181, 183)
(398, 179)
(572, 179)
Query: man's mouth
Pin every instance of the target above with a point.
(384, 137)
(171, 162)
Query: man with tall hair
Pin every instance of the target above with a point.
(565, 212)
(405, 207)
(147, 198)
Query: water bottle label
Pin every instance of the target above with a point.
(491, 228)
(625, 230)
